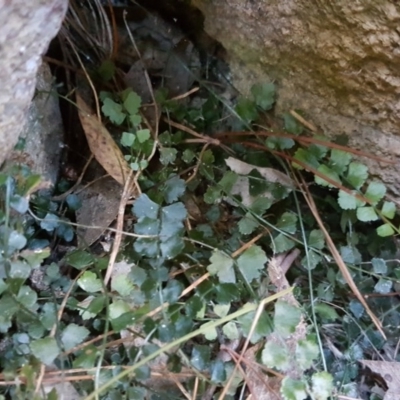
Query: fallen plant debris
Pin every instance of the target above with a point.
(200, 254)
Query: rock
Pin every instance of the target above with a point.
(43, 131)
(337, 61)
(26, 28)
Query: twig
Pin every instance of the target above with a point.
(299, 118)
(120, 225)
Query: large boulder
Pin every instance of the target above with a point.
(26, 29)
(336, 60)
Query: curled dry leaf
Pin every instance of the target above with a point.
(102, 145)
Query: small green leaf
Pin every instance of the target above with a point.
(287, 222)
(222, 266)
(210, 333)
(274, 356)
(357, 174)
(46, 350)
(19, 203)
(379, 265)
(73, 335)
(312, 260)
(228, 181)
(217, 371)
(292, 125)
(316, 239)
(252, 262)
(174, 188)
(385, 230)
(248, 224)
(375, 192)
(383, 286)
(231, 331)
(322, 385)
(127, 139)
(132, 103)
(89, 282)
(292, 389)
(306, 352)
(247, 110)
(326, 311)
(144, 207)
(280, 143)
(119, 308)
(122, 285)
(348, 201)
(49, 222)
(339, 160)
(329, 173)
(188, 156)
(106, 70)
(264, 95)
(16, 241)
(79, 259)
(200, 358)
(113, 111)
(286, 318)
(168, 155)
(27, 297)
(366, 214)
(282, 243)
(305, 157)
(143, 135)
(388, 209)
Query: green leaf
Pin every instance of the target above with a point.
(144, 207)
(375, 192)
(282, 243)
(118, 308)
(212, 195)
(143, 135)
(132, 103)
(348, 201)
(188, 156)
(385, 230)
(305, 157)
(366, 214)
(127, 139)
(306, 352)
(312, 260)
(287, 222)
(16, 241)
(292, 125)
(172, 291)
(293, 389)
(228, 181)
(200, 358)
(79, 259)
(339, 160)
(222, 266)
(264, 95)
(379, 265)
(248, 224)
(383, 286)
(217, 371)
(329, 173)
(274, 356)
(326, 311)
(27, 297)
(322, 385)
(46, 350)
(122, 285)
(19, 203)
(168, 155)
(280, 143)
(252, 262)
(49, 222)
(357, 174)
(89, 282)
(246, 109)
(350, 254)
(388, 209)
(113, 111)
(231, 331)
(286, 318)
(316, 239)
(174, 188)
(73, 335)
(210, 333)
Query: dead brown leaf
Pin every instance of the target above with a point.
(390, 372)
(102, 145)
